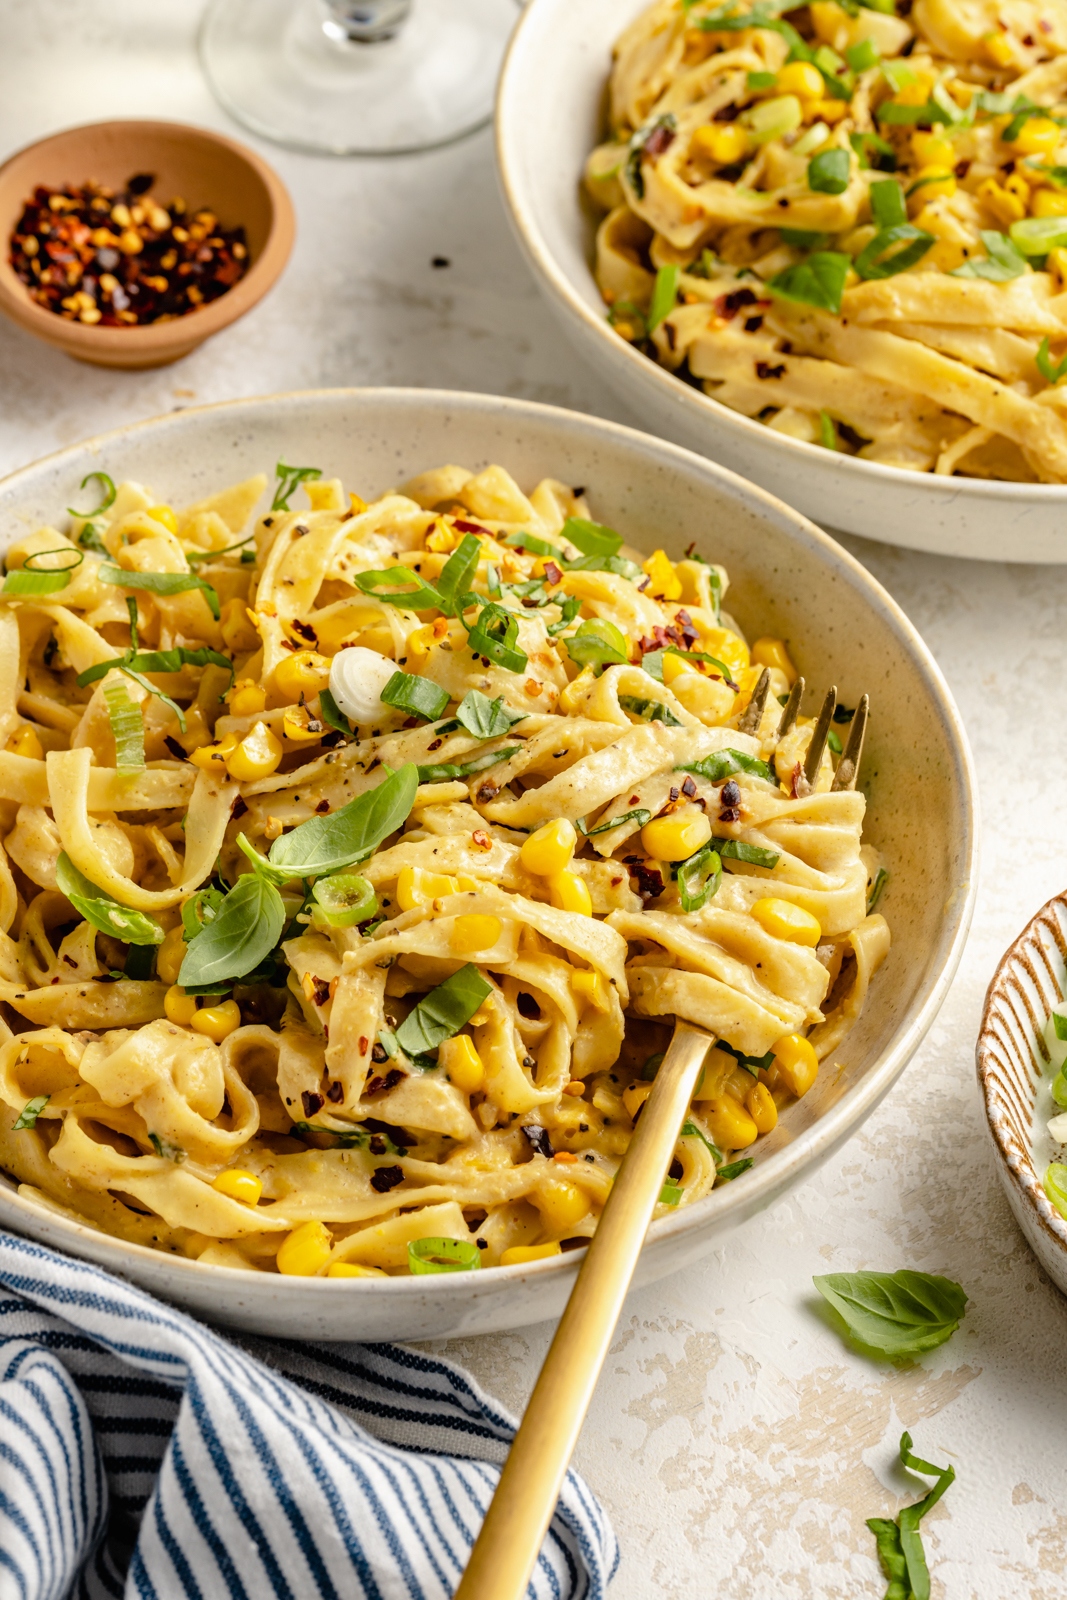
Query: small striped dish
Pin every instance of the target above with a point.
(1014, 1073)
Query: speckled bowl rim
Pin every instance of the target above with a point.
(784, 1166)
(1018, 1159)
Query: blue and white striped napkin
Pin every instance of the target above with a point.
(144, 1455)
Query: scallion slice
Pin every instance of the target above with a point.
(127, 727)
(108, 487)
(442, 1255)
(597, 643)
(495, 635)
(699, 878)
(345, 899)
(591, 538)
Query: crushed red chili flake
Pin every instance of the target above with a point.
(118, 258)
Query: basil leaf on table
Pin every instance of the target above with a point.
(440, 1014)
(164, 583)
(101, 910)
(245, 930)
(896, 1313)
(900, 1546)
(322, 845)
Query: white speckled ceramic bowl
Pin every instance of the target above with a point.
(550, 110)
(1014, 1072)
(789, 579)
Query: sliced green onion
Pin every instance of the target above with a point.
(887, 204)
(671, 1194)
(699, 878)
(442, 1255)
(756, 82)
(165, 583)
(27, 1117)
(664, 296)
(827, 431)
(591, 538)
(597, 643)
(288, 479)
(1051, 371)
(440, 1014)
(880, 260)
(881, 878)
(804, 238)
(1059, 1025)
(449, 771)
(29, 579)
(773, 119)
(638, 815)
(754, 854)
(193, 556)
(127, 727)
(816, 135)
(1055, 1186)
(863, 56)
(417, 695)
(828, 172)
(864, 143)
(650, 710)
(495, 635)
(536, 547)
(818, 281)
(345, 899)
(734, 1169)
(106, 503)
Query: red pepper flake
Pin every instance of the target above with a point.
(119, 259)
(386, 1178)
(336, 1091)
(363, 1044)
(311, 1102)
(794, 782)
(552, 572)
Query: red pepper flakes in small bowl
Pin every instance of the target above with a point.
(119, 258)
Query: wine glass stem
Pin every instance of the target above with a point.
(365, 21)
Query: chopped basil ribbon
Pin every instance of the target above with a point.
(193, 556)
(442, 1255)
(756, 81)
(323, 845)
(485, 718)
(671, 1194)
(650, 710)
(331, 715)
(863, 143)
(818, 281)
(619, 565)
(734, 1169)
(591, 538)
(140, 962)
(900, 1547)
(127, 727)
(828, 172)
(345, 899)
(597, 643)
(638, 815)
(751, 1064)
(653, 663)
(417, 695)
(495, 635)
(570, 609)
(754, 854)
(1051, 371)
(536, 547)
(632, 169)
(440, 1014)
(447, 771)
(29, 579)
(101, 911)
(827, 431)
(419, 597)
(651, 1067)
(691, 1131)
(165, 1150)
(288, 479)
(106, 503)
(896, 1313)
(879, 259)
(136, 662)
(724, 763)
(89, 539)
(699, 878)
(27, 1117)
(159, 583)
(244, 931)
(664, 296)
(1004, 261)
(887, 204)
(863, 56)
(804, 238)
(833, 742)
(358, 1139)
(881, 878)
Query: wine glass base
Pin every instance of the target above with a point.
(285, 70)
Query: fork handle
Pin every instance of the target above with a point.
(517, 1520)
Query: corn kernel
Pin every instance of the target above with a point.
(237, 1184)
(785, 920)
(560, 1203)
(416, 887)
(576, 1088)
(550, 848)
(998, 49)
(306, 1250)
(24, 742)
(257, 756)
(568, 892)
(303, 673)
(517, 1255)
(165, 515)
(1048, 203)
(634, 1098)
(571, 697)
(677, 837)
(356, 505)
(931, 150)
(421, 641)
(676, 666)
(237, 631)
(179, 1006)
(722, 143)
(1006, 206)
(463, 1065)
(931, 183)
(800, 78)
(297, 725)
(246, 698)
(476, 931)
(727, 647)
(729, 1123)
(664, 581)
(827, 110)
(797, 1063)
(216, 1022)
(769, 652)
(441, 539)
(1038, 136)
(170, 955)
(591, 987)
(1056, 263)
(916, 93)
(352, 1269)
(759, 1103)
(210, 757)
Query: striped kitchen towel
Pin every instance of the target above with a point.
(144, 1455)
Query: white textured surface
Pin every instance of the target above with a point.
(737, 1443)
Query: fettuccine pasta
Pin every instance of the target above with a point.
(849, 221)
(355, 867)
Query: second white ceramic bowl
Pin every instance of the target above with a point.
(549, 116)
(788, 579)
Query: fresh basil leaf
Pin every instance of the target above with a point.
(879, 259)
(818, 281)
(495, 635)
(331, 715)
(651, 1067)
(457, 573)
(442, 1255)
(569, 610)
(804, 238)
(156, 661)
(754, 854)
(828, 172)
(127, 728)
(322, 845)
(27, 1117)
(699, 878)
(448, 771)
(109, 492)
(734, 1169)
(663, 128)
(664, 297)
(896, 1313)
(638, 815)
(1003, 261)
(419, 696)
(164, 583)
(881, 878)
(485, 718)
(101, 911)
(653, 663)
(288, 479)
(724, 763)
(358, 1139)
(591, 538)
(650, 710)
(1051, 371)
(90, 539)
(536, 547)
(419, 596)
(244, 931)
(900, 1548)
(887, 204)
(1059, 1023)
(597, 643)
(751, 1064)
(440, 1014)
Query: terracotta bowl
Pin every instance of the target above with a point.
(1014, 1073)
(206, 169)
